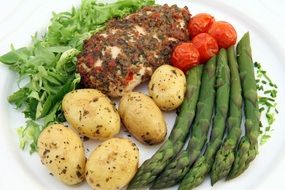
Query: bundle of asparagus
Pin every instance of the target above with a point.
(226, 155)
(248, 147)
(204, 163)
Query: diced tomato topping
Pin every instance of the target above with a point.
(112, 63)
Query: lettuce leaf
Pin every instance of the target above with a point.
(49, 63)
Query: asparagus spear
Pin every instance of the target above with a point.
(248, 147)
(153, 166)
(225, 156)
(178, 167)
(202, 166)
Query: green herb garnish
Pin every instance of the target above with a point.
(267, 91)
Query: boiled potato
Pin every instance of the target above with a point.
(167, 87)
(142, 118)
(91, 113)
(112, 164)
(62, 152)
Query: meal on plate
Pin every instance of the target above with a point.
(188, 64)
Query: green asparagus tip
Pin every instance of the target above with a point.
(229, 177)
(232, 176)
(213, 180)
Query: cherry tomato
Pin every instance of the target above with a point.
(185, 56)
(206, 45)
(224, 33)
(200, 23)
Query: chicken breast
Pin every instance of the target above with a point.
(128, 50)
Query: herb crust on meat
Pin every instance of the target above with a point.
(125, 54)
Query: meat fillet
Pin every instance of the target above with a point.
(125, 54)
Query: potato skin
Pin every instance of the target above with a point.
(62, 152)
(142, 118)
(112, 164)
(167, 87)
(91, 113)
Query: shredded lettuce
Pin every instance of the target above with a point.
(49, 63)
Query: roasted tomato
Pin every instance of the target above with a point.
(200, 23)
(224, 33)
(185, 56)
(206, 45)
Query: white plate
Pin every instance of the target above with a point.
(20, 19)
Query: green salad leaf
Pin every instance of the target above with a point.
(47, 68)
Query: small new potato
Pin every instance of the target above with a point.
(142, 118)
(167, 87)
(91, 113)
(112, 164)
(62, 152)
